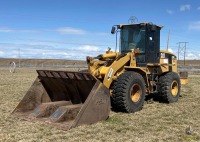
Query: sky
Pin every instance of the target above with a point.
(74, 29)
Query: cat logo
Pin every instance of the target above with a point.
(110, 74)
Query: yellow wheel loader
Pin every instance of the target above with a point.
(120, 80)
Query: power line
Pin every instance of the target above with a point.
(182, 48)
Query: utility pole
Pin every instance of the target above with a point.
(182, 48)
(19, 56)
(168, 40)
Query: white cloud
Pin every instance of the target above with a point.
(5, 30)
(89, 48)
(45, 51)
(185, 7)
(70, 30)
(10, 30)
(1, 53)
(198, 8)
(192, 56)
(61, 30)
(194, 26)
(170, 12)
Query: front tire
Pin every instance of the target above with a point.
(128, 92)
(169, 87)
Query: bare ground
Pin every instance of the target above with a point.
(155, 122)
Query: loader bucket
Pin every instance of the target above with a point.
(64, 99)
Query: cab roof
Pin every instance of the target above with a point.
(142, 24)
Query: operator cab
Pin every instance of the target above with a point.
(142, 36)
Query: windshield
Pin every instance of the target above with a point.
(132, 37)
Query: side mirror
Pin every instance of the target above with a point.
(113, 30)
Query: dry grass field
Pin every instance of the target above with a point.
(155, 122)
(38, 63)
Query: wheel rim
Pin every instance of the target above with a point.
(136, 92)
(174, 88)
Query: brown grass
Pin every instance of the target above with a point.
(155, 122)
(5, 62)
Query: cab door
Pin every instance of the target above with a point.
(152, 53)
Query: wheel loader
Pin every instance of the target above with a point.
(120, 80)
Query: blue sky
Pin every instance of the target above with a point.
(73, 29)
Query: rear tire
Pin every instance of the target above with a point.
(128, 92)
(169, 87)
